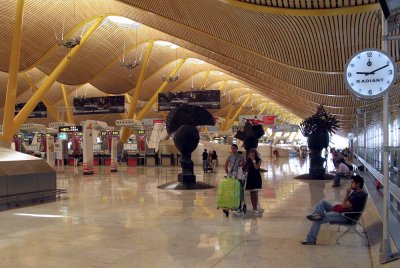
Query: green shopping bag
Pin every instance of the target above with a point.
(228, 193)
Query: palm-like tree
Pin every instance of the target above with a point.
(317, 128)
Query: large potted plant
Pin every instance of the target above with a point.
(318, 128)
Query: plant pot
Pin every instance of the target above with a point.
(317, 142)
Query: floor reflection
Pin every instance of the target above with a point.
(123, 220)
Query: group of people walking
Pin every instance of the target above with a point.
(210, 160)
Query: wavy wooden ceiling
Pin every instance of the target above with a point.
(289, 52)
(309, 4)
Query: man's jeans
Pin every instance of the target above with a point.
(324, 209)
(205, 163)
(336, 181)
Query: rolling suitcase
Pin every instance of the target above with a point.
(228, 194)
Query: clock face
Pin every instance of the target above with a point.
(369, 73)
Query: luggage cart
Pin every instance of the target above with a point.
(242, 208)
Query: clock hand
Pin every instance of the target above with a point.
(373, 72)
(366, 73)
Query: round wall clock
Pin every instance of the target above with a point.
(369, 73)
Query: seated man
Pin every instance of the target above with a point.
(354, 201)
(342, 171)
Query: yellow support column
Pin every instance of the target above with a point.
(134, 99)
(206, 79)
(139, 83)
(229, 124)
(46, 103)
(68, 110)
(222, 86)
(228, 116)
(128, 98)
(11, 95)
(263, 109)
(295, 136)
(153, 99)
(34, 100)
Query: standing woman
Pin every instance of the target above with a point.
(214, 160)
(254, 182)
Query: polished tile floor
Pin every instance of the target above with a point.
(123, 220)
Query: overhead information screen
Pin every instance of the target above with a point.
(70, 129)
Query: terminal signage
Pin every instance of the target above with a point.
(69, 129)
(150, 122)
(141, 132)
(99, 105)
(109, 133)
(285, 128)
(62, 136)
(257, 119)
(268, 120)
(208, 99)
(40, 110)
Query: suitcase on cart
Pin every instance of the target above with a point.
(228, 194)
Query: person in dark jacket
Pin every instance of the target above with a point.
(254, 182)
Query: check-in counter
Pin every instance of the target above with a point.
(167, 160)
(178, 158)
(141, 159)
(132, 160)
(107, 159)
(25, 175)
(151, 159)
(96, 160)
(71, 160)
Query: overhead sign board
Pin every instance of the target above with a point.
(40, 110)
(208, 99)
(149, 122)
(32, 127)
(68, 129)
(128, 123)
(58, 124)
(99, 105)
(257, 119)
(285, 128)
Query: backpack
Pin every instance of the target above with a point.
(349, 166)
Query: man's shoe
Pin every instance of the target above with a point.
(305, 242)
(314, 217)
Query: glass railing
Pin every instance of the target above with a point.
(374, 157)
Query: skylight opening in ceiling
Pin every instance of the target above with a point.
(124, 22)
(196, 61)
(217, 73)
(165, 44)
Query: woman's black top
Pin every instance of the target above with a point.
(253, 176)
